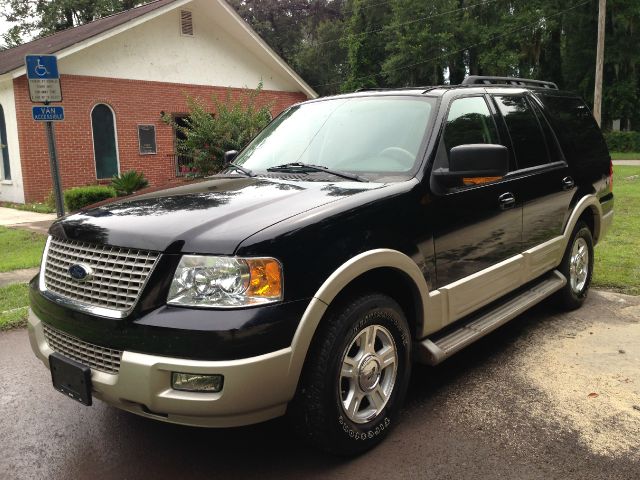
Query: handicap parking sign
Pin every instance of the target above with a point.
(44, 79)
(42, 67)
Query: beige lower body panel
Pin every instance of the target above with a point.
(255, 389)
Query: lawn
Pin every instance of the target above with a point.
(625, 155)
(14, 301)
(617, 256)
(20, 249)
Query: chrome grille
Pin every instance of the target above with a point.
(118, 274)
(98, 358)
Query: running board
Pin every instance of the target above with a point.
(439, 349)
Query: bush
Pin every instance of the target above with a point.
(79, 197)
(623, 141)
(128, 182)
(208, 136)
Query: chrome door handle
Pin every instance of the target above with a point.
(507, 200)
(567, 183)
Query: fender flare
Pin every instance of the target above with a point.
(332, 286)
(586, 202)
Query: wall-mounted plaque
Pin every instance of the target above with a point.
(147, 139)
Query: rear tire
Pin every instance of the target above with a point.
(577, 267)
(356, 376)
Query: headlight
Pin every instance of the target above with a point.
(204, 281)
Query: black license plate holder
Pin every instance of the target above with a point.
(71, 378)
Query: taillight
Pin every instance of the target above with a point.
(611, 176)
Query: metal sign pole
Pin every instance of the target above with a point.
(44, 86)
(55, 172)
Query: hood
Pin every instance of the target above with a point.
(211, 216)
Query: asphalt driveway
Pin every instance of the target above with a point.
(547, 396)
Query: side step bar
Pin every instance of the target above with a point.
(437, 350)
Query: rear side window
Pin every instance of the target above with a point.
(576, 129)
(469, 121)
(526, 137)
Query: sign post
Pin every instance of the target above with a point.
(44, 87)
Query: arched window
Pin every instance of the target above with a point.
(5, 165)
(105, 147)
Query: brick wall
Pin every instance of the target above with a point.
(134, 102)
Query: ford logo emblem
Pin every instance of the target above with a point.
(80, 272)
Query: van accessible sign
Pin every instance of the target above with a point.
(44, 79)
(47, 114)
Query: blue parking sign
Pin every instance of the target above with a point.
(43, 67)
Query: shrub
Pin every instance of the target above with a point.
(79, 197)
(208, 136)
(128, 182)
(623, 141)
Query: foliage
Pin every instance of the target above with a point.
(625, 155)
(79, 197)
(623, 141)
(208, 135)
(14, 305)
(24, 247)
(342, 45)
(128, 182)
(617, 265)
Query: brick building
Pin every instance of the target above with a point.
(118, 75)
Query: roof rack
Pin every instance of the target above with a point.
(384, 89)
(520, 82)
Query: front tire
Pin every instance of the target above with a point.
(356, 376)
(577, 267)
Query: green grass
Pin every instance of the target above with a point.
(29, 207)
(625, 155)
(14, 302)
(617, 257)
(20, 249)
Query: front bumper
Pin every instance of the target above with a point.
(255, 389)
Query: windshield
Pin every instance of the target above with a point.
(365, 135)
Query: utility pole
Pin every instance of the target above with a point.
(597, 94)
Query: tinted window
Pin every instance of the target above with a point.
(104, 141)
(577, 130)
(5, 171)
(369, 135)
(552, 144)
(469, 121)
(527, 140)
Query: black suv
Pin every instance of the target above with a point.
(353, 235)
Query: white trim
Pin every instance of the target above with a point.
(115, 134)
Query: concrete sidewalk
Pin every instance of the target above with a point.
(17, 276)
(37, 222)
(635, 163)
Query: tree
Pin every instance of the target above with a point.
(43, 17)
(230, 126)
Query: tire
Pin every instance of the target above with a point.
(361, 350)
(578, 274)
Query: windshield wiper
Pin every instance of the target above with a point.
(240, 168)
(300, 166)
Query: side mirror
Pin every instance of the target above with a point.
(230, 156)
(485, 162)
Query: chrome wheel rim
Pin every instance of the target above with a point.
(579, 265)
(368, 374)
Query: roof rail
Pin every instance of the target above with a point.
(384, 89)
(520, 82)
